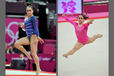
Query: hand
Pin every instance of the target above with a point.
(63, 15)
(90, 21)
(40, 40)
(21, 25)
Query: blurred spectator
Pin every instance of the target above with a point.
(18, 63)
(12, 49)
(24, 62)
(21, 55)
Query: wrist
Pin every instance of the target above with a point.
(39, 37)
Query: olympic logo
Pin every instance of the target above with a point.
(69, 6)
(11, 33)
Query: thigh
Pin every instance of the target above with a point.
(23, 41)
(78, 45)
(90, 40)
(33, 43)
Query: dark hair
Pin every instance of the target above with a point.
(21, 53)
(28, 4)
(84, 16)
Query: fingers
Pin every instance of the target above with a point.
(41, 40)
(92, 20)
(63, 15)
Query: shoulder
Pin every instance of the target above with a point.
(33, 18)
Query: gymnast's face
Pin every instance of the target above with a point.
(21, 55)
(29, 11)
(81, 19)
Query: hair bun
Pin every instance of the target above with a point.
(84, 16)
(28, 4)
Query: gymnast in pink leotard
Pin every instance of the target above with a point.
(81, 29)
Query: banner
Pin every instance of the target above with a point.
(11, 30)
(69, 6)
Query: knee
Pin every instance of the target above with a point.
(34, 54)
(76, 48)
(16, 44)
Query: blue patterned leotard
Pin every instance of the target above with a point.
(31, 27)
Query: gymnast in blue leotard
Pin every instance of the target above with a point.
(32, 39)
(31, 28)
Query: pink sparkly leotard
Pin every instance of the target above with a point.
(81, 32)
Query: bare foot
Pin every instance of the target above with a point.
(65, 55)
(29, 57)
(38, 72)
(99, 35)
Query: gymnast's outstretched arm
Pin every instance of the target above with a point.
(90, 21)
(68, 19)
